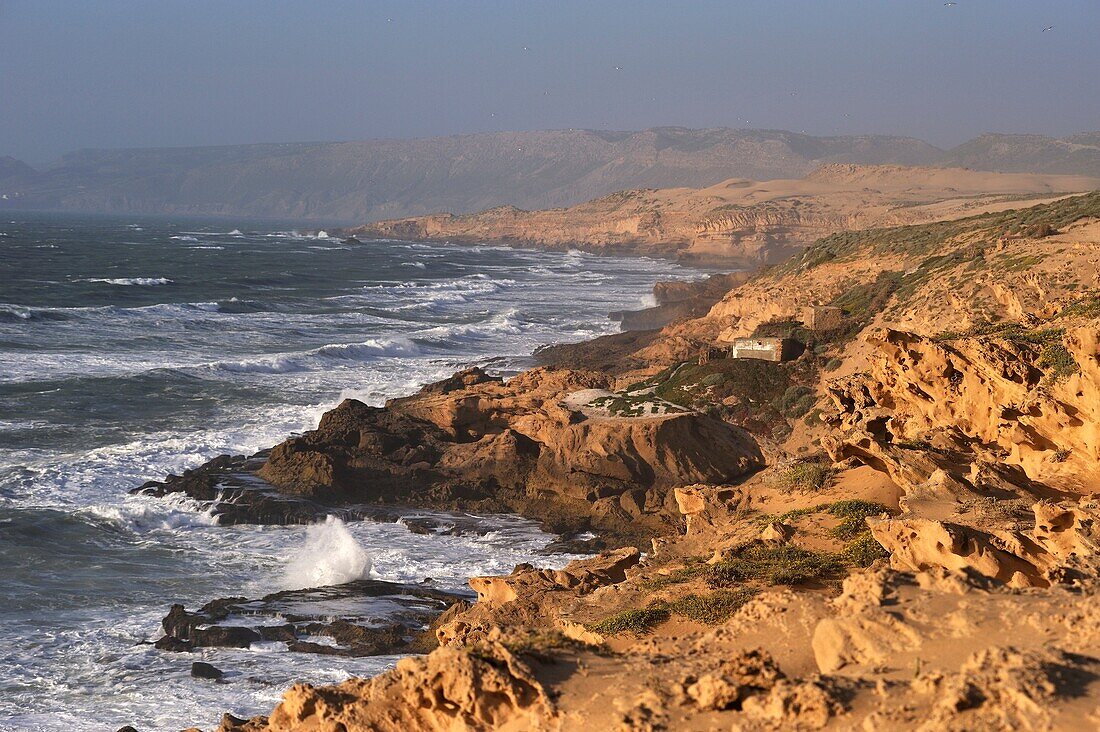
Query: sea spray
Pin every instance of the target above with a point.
(330, 556)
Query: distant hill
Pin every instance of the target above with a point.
(378, 179)
(1079, 154)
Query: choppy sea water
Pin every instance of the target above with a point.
(134, 348)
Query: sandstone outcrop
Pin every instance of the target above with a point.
(448, 689)
(908, 539)
(473, 440)
(739, 221)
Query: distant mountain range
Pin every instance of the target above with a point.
(378, 179)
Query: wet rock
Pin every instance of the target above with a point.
(173, 644)
(202, 670)
(346, 613)
(225, 637)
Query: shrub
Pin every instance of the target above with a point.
(714, 608)
(853, 515)
(637, 620)
(775, 565)
(796, 401)
(863, 551)
(1056, 360)
(833, 364)
(807, 476)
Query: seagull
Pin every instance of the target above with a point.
(618, 68)
(949, 4)
(1049, 27)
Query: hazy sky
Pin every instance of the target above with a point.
(139, 73)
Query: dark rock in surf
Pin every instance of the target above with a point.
(202, 670)
(304, 616)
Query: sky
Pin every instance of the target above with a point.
(152, 73)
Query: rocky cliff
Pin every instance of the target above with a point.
(896, 529)
(742, 222)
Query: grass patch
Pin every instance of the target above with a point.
(712, 608)
(853, 515)
(639, 621)
(1056, 360)
(677, 577)
(1085, 307)
(807, 476)
(862, 302)
(775, 565)
(924, 239)
(864, 550)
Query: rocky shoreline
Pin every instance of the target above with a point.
(895, 529)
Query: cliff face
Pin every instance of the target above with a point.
(741, 221)
(920, 549)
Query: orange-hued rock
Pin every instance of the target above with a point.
(936, 457)
(520, 444)
(996, 392)
(742, 221)
(449, 689)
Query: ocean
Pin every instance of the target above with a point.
(132, 348)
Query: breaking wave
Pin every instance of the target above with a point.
(331, 556)
(123, 281)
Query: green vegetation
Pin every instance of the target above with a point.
(1013, 332)
(685, 574)
(755, 390)
(926, 238)
(637, 620)
(806, 476)
(1057, 362)
(796, 401)
(1018, 262)
(863, 551)
(1054, 359)
(853, 514)
(770, 564)
(862, 302)
(712, 608)
(1085, 307)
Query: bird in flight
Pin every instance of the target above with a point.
(1049, 27)
(949, 4)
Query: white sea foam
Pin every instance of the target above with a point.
(282, 363)
(330, 556)
(184, 238)
(16, 311)
(98, 662)
(143, 281)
